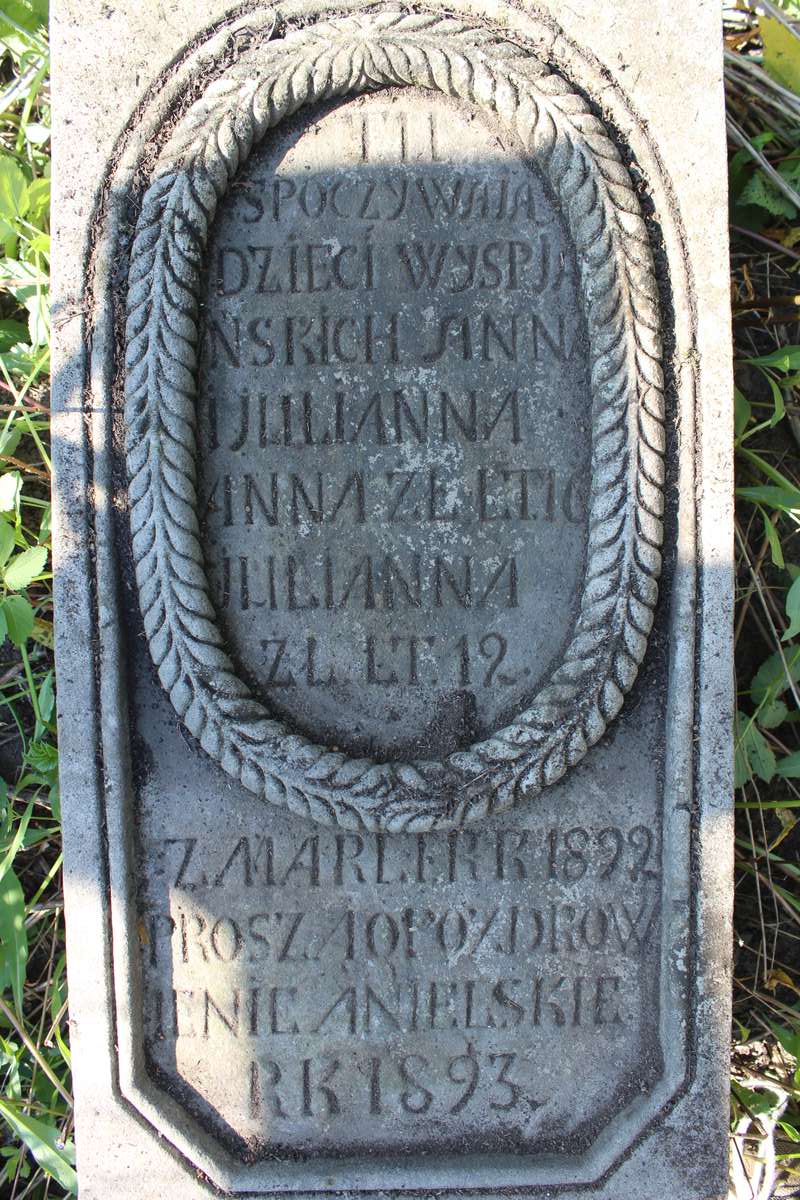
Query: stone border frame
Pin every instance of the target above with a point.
(582, 165)
(98, 790)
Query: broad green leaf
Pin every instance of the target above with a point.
(760, 1103)
(39, 202)
(783, 498)
(38, 307)
(762, 192)
(26, 282)
(781, 53)
(793, 611)
(30, 15)
(22, 359)
(13, 936)
(742, 158)
(6, 541)
(11, 332)
(770, 681)
(789, 169)
(44, 525)
(43, 757)
(753, 755)
(47, 697)
(740, 168)
(772, 715)
(771, 534)
(17, 840)
(778, 401)
(9, 1063)
(759, 754)
(13, 195)
(58, 986)
(769, 471)
(789, 766)
(786, 358)
(43, 1140)
(742, 411)
(10, 488)
(54, 800)
(40, 243)
(25, 567)
(10, 438)
(17, 615)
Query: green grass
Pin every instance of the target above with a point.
(763, 109)
(763, 82)
(37, 1155)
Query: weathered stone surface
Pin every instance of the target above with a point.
(391, 351)
(394, 392)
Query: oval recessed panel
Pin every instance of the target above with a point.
(405, 575)
(395, 424)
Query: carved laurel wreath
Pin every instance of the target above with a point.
(574, 151)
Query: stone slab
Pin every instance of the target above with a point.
(394, 581)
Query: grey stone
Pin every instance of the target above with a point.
(392, 441)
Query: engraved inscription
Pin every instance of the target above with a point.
(397, 574)
(598, 605)
(394, 437)
(353, 979)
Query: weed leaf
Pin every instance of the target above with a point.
(789, 766)
(772, 715)
(39, 201)
(781, 53)
(11, 332)
(10, 488)
(783, 498)
(742, 411)
(16, 616)
(13, 196)
(25, 567)
(793, 611)
(772, 678)
(28, 14)
(47, 697)
(786, 358)
(774, 540)
(43, 758)
(762, 192)
(6, 542)
(44, 1142)
(753, 755)
(13, 936)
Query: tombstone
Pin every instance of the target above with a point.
(392, 432)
